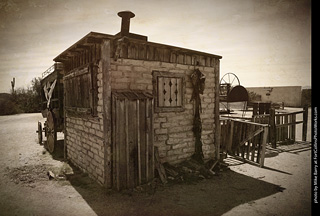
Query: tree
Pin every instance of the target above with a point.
(23, 100)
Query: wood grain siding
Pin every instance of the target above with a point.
(133, 162)
(82, 90)
(88, 49)
(129, 48)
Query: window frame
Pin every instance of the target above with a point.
(73, 80)
(165, 74)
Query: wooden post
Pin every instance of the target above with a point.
(290, 128)
(285, 129)
(248, 131)
(255, 109)
(152, 139)
(147, 139)
(264, 144)
(117, 143)
(261, 108)
(305, 123)
(254, 140)
(64, 122)
(113, 150)
(268, 107)
(107, 124)
(281, 129)
(126, 104)
(229, 145)
(217, 135)
(273, 129)
(278, 132)
(294, 127)
(138, 140)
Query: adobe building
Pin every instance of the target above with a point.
(126, 96)
(289, 95)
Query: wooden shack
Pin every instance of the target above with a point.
(124, 96)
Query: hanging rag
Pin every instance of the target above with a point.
(198, 83)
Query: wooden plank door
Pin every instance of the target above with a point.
(133, 157)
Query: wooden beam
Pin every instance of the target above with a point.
(273, 129)
(217, 134)
(83, 47)
(74, 50)
(106, 99)
(294, 127)
(63, 59)
(305, 123)
(288, 113)
(93, 40)
(230, 140)
(288, 124)
(152, 139)
(126, 104)
(250, 136)
(139, 143)
(264, 145)
(247, 122)
(118, 146)
(147, 139)
(113, 139)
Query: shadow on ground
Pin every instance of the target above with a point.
(58, 153)
(294, 148)
(213, 196)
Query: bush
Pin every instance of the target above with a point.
(22, 100)
(254, 96)
(8, 107)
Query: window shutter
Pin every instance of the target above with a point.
(169, 91)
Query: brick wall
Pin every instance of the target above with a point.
(84, 138)
(88, 138)
(172, 130)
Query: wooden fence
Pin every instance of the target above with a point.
(244, 139)
(247, 138)
(283, 125)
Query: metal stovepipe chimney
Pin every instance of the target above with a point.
(125, 22)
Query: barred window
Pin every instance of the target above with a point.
(168, 91)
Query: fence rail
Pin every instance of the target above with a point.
(51, 69)
(244, 139)
(283, 126)
(247, 138)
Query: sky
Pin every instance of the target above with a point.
(263, 42)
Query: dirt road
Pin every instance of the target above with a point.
(282, 188)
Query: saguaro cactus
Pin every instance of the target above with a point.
(13, 82)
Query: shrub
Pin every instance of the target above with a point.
(22, 100)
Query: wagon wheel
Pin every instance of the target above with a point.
(227, 82)
(39, 133)
(231, 79)
(51, 132)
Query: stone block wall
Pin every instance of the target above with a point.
(88, 136)
(172, 130)
(84, 138)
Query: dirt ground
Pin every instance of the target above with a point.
(283, 187)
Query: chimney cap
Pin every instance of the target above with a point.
(126, 14)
